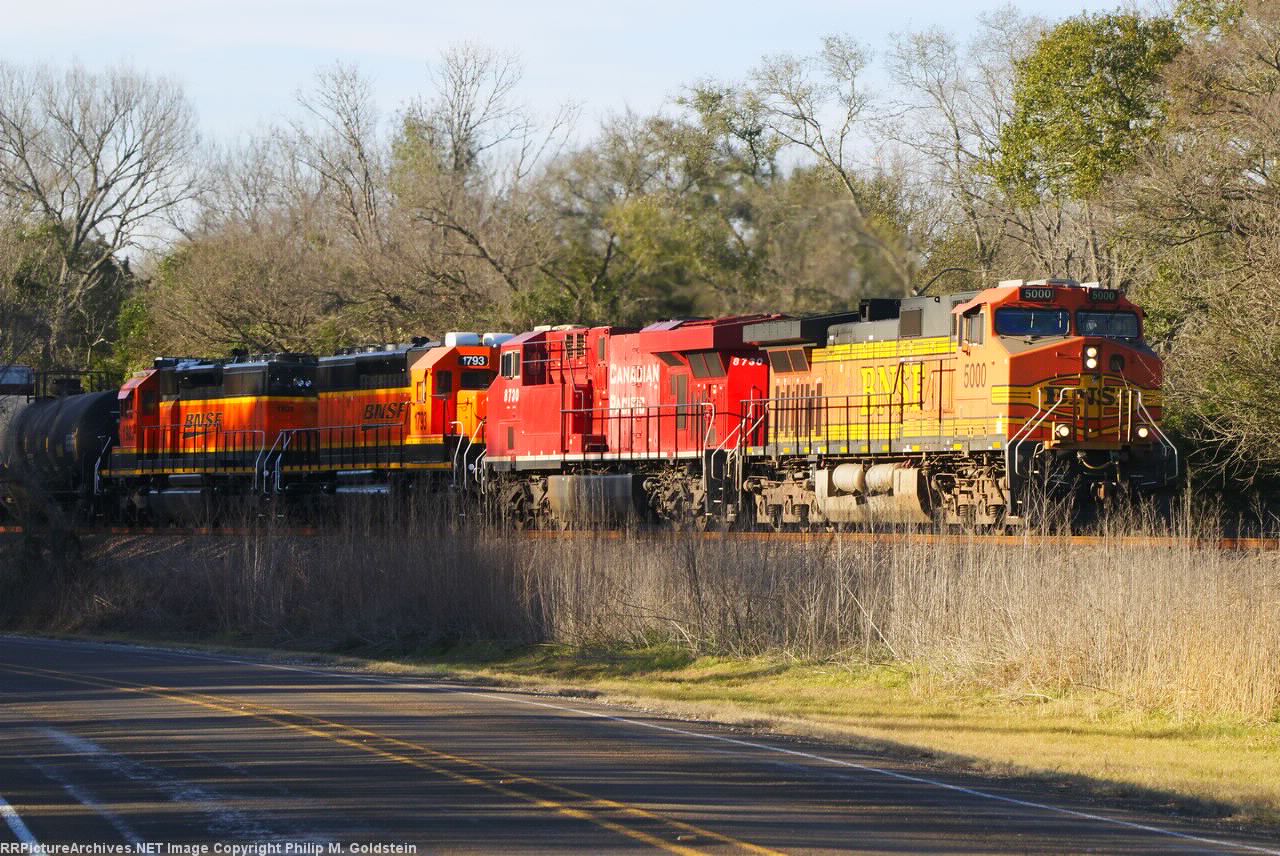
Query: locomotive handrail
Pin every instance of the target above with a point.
(346, 443)
(97, 466)
(652, 414)
(164, 447)
(460, 450)
(282, 440)
(1164, 438)
(258, 463)
(1019, 437)
(815, 405)
(733, 459)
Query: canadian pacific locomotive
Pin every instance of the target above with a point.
(964, 410)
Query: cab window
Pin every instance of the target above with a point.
(1015, 321)
(444, 382)
(477, 379)
(973, 327)
(1114, 325)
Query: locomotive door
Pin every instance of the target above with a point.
(684, 426)
(444, 408)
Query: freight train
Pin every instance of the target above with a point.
(964, 410)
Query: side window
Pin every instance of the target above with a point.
(600, 349)
(126, 406)
(444, 382)
(511, 364)
(975, 327)
(909, 323)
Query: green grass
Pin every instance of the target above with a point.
(1202, 766)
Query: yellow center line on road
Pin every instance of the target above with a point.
(356, 738)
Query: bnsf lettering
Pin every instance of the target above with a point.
(1106, 396)
(908, 379)
(203, 420)
(385, 412)
(633, 374)
(474, 360)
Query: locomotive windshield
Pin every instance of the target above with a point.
(1032, 322)
(1114, 325)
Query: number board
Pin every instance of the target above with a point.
(1039, 295)
(1104, 295)
(474, 360)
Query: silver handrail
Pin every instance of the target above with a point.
(283, 440)
(257, 459)
(735, 454)
(1011, 455)
(1164, 439)
(97, 467)
(460, 450)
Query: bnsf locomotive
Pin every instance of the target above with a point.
(965, 409)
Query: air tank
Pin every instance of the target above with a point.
(55, 442)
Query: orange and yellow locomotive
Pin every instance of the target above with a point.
(960, 408)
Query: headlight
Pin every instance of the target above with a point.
(1143, 432)
(1091, 351)
(1063, 431)
(1091, 363)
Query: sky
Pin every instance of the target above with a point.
(242, 62)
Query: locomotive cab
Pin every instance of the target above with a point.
(1073, 387)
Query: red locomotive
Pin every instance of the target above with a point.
(603, 423)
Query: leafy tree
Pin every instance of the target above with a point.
(1088, 97)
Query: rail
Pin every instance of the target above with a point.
(1016, 541)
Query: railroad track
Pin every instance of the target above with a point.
(925, 538)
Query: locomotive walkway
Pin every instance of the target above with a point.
(113, 744)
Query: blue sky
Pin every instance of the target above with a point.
(242, 61)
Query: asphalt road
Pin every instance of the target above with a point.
(109, 744)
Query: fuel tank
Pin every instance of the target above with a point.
(595, 499)
(55, 442)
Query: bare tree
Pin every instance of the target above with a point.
(948, 111)
(103, 158)
(341, 146)
(819, 104)
(465, 160)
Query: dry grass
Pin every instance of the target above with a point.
(1179, 629)
(1145, 667)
